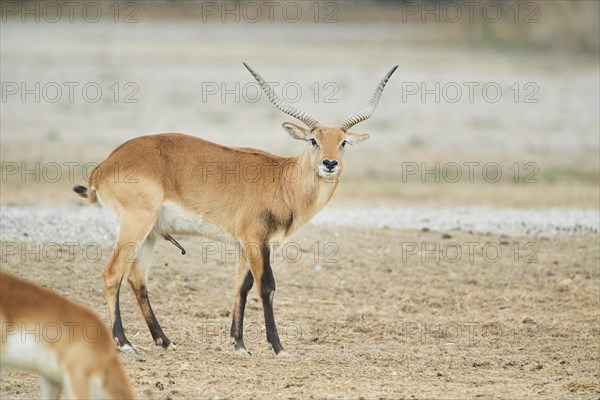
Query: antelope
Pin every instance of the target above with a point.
(183, 185)
(66, 343)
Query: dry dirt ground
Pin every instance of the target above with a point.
(368, 316)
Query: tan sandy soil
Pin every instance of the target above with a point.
(378, 323)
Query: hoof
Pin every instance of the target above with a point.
(284, 354)
(240, 348)
(128, 349)
(165, 343)
(241, 351)
(170, 346)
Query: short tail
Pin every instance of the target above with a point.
(83, 192)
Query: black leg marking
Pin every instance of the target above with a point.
(273, 223)
(237, 323)
(155, 329)
(118, 330)
(267, 293)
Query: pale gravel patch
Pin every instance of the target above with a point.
(507, 221)
(58, 224)
(96, 224)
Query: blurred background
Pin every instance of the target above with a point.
(507, 83)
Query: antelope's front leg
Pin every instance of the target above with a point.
(260, 266)
(243, 283)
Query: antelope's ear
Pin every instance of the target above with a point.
(354, 138)
(296, 131)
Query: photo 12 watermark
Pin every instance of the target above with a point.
(70, 11)
(251, 92)
(491, 12)
(69, 171)
(468, 333)
(290, 252)
(69, 92)
(50, 332)
(469, 172)
(452, 252)
(325, 12)
(469, 91)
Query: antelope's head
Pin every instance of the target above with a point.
(326, 144)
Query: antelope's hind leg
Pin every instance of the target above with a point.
(138, 282)
(243, 283)
(134, 231)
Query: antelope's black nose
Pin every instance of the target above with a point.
(330, 164)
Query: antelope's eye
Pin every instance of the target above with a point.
(314, 142)
(344, 143)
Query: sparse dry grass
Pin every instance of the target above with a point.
(371, 325)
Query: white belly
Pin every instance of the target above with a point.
(174, 219)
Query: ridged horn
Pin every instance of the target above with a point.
(367, 112)
(283, 105)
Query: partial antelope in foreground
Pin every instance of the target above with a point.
(184, 184)
(64, 342)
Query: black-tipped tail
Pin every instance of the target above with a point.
(86, 194)
(81, 190)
